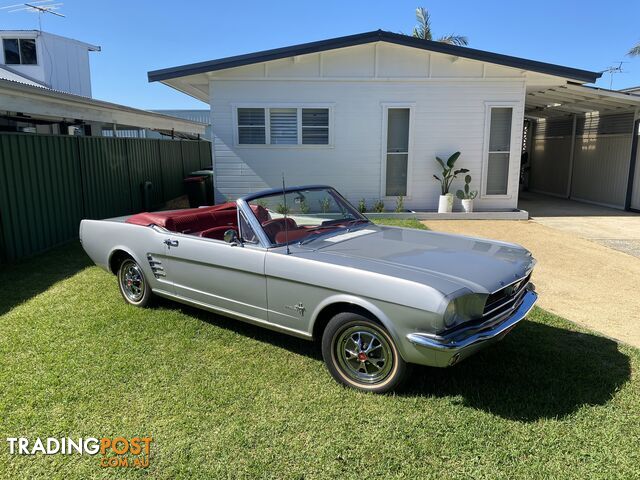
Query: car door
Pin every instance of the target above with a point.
(225, 276)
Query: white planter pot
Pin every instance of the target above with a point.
(445, 205)
(467, 205)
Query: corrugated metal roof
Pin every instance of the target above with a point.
(7, 73)
(86, 107)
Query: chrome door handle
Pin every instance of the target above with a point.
(171, 243)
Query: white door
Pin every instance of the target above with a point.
(396, 155)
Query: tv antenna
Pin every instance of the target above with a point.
(612, 70)
(37, 6)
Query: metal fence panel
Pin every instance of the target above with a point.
(172, 169)
(205, 154)
(105, 177)
(41, 200)
(48, 183)
(190, 157)
(144, 165)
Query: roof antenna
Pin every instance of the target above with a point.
(612, 70)
(286, 224)
(36, 6)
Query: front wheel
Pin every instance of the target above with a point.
(133, 286)
(361, 354)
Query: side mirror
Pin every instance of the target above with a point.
(231, 236)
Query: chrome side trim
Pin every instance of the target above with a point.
(233, 314)
(459, 342)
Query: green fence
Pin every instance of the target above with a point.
(49, 183)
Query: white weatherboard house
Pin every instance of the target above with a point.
(368, 113)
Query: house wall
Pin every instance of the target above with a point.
(66, 65)
(448, 97)
(63, 63)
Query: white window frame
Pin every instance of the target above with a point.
(35, 40)
(266, 107)
(485, 148)
(385, 106)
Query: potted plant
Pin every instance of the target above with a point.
(445, 205)
(467, 196)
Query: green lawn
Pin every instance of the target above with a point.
(398, 222)
(223, 399)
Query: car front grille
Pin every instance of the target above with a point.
(506, 298)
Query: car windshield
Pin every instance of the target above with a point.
(306, 213)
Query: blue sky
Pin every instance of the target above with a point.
(141, 35)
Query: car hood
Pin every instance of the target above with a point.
(483, 266)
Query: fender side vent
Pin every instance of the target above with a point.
(156, 266)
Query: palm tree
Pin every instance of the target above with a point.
(423, 30)
(635, 51)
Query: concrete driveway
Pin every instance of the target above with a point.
(578, 277)
(612, 228)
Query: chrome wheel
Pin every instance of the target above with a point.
(132, 281)
(364, 354)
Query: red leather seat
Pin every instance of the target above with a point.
(291, 235)
(261, 213)
(217, 233)
(272, 227)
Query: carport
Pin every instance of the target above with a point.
(583, 145)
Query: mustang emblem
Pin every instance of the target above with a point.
(299, 307)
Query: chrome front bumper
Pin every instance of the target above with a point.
(442, 351)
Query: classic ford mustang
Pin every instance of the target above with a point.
(304, 261)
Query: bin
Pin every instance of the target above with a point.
(196, 190)
(208, 175)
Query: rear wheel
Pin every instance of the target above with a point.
(133, 286)
(361, 354)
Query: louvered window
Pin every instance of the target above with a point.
(315, 126)
(283, 126)
(251, 126)
(283, 123)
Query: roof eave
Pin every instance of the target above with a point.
(575, 74)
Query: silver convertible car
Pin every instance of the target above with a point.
(304, 261)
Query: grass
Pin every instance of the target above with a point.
(400, 222)
(223, 399)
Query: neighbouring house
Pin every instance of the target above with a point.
(56, 62)
(368, 113)
(45, 87)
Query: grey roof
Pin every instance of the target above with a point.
(8, 73)
(575, 74)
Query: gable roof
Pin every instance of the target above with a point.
(575, 74)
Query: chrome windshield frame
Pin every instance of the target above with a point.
(243, 205)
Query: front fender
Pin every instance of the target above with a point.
(396, 319)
